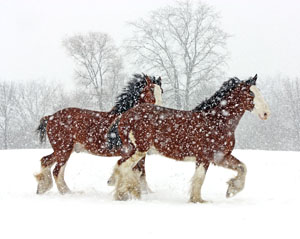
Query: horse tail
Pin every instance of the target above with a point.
(42, 129)
(113, 138)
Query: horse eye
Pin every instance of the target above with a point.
(251, 93)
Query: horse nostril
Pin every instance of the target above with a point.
(265, 114)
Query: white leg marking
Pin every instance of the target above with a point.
(197, 182)
(112, 180)
(144, 185)
(60, 181)
(190, 158)
(128, 180)
(237, 184)
(44, 179)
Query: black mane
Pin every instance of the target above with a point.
(132, 92)
(220, 95)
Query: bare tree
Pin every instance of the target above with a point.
(33, 100)
(98, 64)
(183, 42)
(7, 111)
(36, 99)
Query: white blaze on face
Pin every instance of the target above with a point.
(157, 95)
(261, 108)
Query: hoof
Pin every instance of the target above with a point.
(111, 182)
(146, 189)
(41, 190)
(197, 200)
(131, 192)
(144, 186)
(44, 183)
(64, 191)
(121, 196)
(234, 186)
(135, 192)
(230, 193)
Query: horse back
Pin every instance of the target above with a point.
(171, 132)
(73, 125)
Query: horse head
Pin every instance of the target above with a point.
(158, 91)
(141, 89)
(152, 92)
(253, 100)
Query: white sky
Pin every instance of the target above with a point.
(265, 34)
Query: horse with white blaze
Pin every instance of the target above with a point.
(205, 135)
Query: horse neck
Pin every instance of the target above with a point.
(113, 112)
(229, 115)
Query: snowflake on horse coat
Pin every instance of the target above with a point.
(205, 135)
(74, 129)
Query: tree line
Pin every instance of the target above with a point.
(22, 105)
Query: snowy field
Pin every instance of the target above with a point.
(268, 207)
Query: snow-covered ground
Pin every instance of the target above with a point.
(268, 207)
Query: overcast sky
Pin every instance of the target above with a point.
(265, 34)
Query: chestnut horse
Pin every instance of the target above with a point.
(74, 129)
(204, 135)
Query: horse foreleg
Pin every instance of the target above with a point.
(197, 182)
(127, 179)
(237, 183)
(140, 168)
(44, 178)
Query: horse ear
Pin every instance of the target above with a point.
(148, 80)
(253, 81)
(159, 79)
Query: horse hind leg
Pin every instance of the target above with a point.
(44, 178)
(59, 172)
